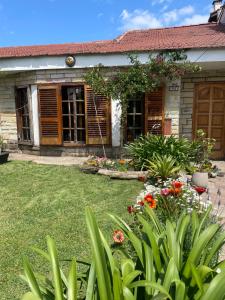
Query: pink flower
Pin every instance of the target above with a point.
(118, 236)
(165, 192)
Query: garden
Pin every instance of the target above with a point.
(167, 246)
(158, 237)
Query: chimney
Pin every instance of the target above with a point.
(217, 4)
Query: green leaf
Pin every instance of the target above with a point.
(117, 285)
(216, 289)
(216, 247)
(30, 296)
(155, 286)
(171, 274)
(196, 278)
(31, 279)
(198, 247)
(127, 294)
(154, 219)
(72, 281)
(148, 230)
(180, 290)
(91, 283)
(55, 269)
(103, 279)
(173, 246)
(129, 278)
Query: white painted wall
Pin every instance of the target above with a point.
(35, 115)
(116, 116)
(207, 58)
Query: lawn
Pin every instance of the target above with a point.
(40, 200)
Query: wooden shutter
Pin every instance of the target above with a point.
(95, 118)
(50, 115)
(154, 108)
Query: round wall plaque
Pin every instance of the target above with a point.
(70, 61)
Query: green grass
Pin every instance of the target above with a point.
(40, 200)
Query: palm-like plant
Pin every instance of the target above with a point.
(162, 167)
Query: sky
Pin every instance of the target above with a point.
(32, 22)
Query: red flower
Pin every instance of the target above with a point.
(148, 197)
(142, 178)
(118, 236)
(141, 203)
(177, 184)
(200, 190)
(130, 209)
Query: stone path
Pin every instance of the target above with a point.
(49, 160)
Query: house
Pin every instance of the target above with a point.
(46, 107)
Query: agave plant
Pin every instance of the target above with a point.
(160, 269)
(162, 167)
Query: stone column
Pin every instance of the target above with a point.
(35, 115)
(116, 122)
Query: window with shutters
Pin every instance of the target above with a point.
(23, 117)
(135, 117)
(73, 114)
(145, 114)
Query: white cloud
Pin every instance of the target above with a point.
(138, 19)
(174, 15)
(195, 19)
(154, 2)
(141, 19)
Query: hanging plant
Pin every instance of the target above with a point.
(138, 77)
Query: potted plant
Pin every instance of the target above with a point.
(202, 149)
(3, 154)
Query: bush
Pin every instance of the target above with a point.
(145, 147)
(157, 270)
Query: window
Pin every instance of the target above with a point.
(73, 114)
(22, 112)
(135, 117)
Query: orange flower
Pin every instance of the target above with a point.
(152, 203)
(118, 236)
(122, 161)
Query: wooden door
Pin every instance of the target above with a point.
(209, 114)
(50, 115)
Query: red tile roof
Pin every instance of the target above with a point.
(209, 35)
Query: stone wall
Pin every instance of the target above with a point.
(172, 107)
(187, 97)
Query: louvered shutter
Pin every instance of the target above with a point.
(154, 122)
(50, 115)
(97, 118)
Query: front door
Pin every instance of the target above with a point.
(210, 114)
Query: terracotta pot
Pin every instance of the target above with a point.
(200, 179)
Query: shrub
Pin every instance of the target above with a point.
(158, 270)
(145, 147)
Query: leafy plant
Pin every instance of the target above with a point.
(202, 148)
(162, 167)
(145, 147)
(160, 269)
(178, 257)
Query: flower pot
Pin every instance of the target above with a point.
(200, 179)
(4, 157)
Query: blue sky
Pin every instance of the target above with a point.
(29, 22)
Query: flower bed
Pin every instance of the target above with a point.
(171, 198)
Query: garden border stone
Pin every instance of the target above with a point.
(123, 175)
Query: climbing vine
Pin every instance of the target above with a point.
(138, 77)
